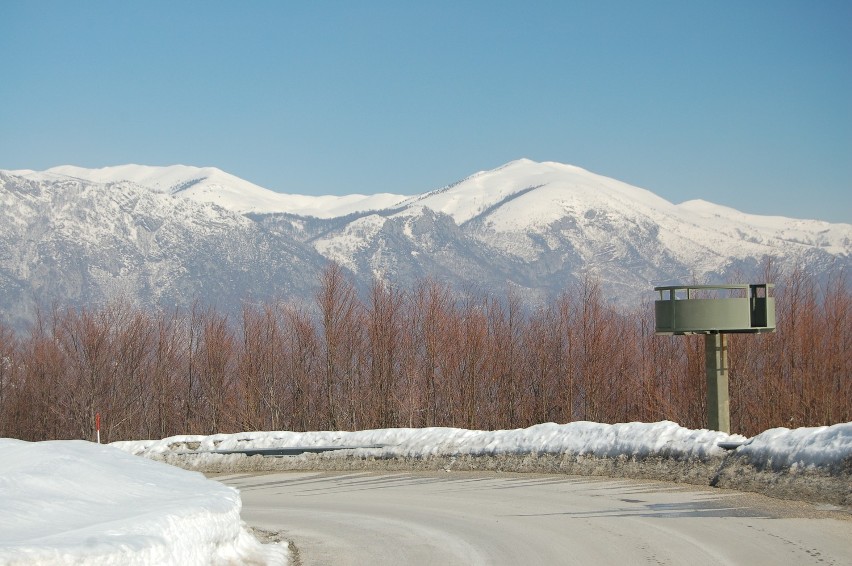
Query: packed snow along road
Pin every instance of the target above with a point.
(805, 463)
(491, 518)
(76, 502)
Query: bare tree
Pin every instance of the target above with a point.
(384, 321)
(302, 375)
(166, 361)
(9, 381)
(341, 326)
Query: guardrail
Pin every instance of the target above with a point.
(285, 451)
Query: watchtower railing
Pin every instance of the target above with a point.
(698, 309)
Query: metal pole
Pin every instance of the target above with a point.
(716, 364)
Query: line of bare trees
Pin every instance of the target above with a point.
(414, 359)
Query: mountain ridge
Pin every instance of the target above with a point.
(170, 235)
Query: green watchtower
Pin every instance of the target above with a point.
(715, 310)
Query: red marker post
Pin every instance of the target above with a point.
(98, 426)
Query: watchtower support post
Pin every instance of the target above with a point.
(716, 367)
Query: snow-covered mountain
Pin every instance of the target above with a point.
(65, 240)
(211, 185)
(171, 235)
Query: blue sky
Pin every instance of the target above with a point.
(746, 104)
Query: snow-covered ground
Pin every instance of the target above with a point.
(666, 439)
(75, 501)
(803, 447)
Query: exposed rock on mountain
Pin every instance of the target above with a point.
(171, 235)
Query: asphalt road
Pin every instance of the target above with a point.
(519, 519)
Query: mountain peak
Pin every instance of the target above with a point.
(524, 190)
(163, 179)
(532, 226)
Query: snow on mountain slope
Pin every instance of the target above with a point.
(524, 195)
(539, 227)
(547, 215)
(212, 185)
(832, 237)
(157, 234)
(68, 241)
(494, 193)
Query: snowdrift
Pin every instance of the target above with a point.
(810, 463)
(805, 463)
(74, 502)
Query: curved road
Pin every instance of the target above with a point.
(485, 518)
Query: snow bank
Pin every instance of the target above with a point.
(71, 502)
(662, 451)
(805, 463)
(813, 463)
(634, 440)
(816, 447)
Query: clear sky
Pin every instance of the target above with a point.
(742, 103)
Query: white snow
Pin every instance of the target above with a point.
(801, 447)
(807, 446)
(212, 185)
(524, 203)
(544, 191)
(74, 502)
(343, 246)
(521, 209)
(582, 438)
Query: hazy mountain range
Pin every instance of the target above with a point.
(170, 235)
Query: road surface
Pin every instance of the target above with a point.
(488, 518)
